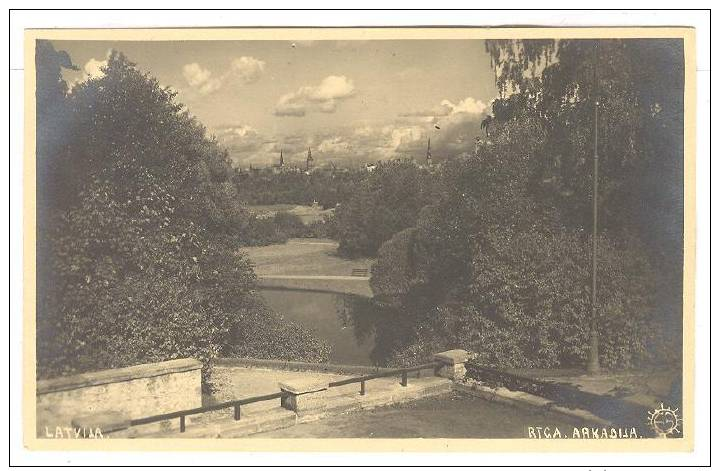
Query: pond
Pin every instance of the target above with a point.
(359, 331)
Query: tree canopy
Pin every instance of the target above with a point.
(498, 262)
(138, 252)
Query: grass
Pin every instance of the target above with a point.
(303, 257)
(307, 214)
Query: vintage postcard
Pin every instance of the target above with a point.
(420, 239)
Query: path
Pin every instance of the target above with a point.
(309, 265)
(448, 416)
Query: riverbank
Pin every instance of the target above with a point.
(305, 281)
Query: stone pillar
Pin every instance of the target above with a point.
(305, 396)
(452, 364)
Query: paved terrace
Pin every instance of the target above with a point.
(285, 399)
(307, 396)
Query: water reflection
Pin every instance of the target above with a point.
(359, 330)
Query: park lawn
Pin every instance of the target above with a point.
(307, 214)
(304, 257)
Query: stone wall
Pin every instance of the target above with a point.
(130, 393)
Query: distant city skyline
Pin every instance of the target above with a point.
(350, 101)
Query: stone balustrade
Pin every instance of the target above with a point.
(108, 399)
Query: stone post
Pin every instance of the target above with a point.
(305, 396)
(452, 364)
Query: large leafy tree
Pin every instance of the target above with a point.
(638, 85)
(493, 268)
(499, 263)
(387, 201)
(138, 250)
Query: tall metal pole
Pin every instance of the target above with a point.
(593, 366)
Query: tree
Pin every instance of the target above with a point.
(139, 255)
(388, 201)
(639, 85)
(491, 267)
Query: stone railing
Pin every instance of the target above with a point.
(307, 396)
(107, 400)
(123, 399)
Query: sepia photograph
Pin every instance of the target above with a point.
(376, 234)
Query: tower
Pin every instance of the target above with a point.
(308, 162)
(428, 156)
(282, 162)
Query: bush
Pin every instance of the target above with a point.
(275, 230)
(261, 333)
(532, 300)
(132, 283)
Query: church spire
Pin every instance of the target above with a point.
(428, 156)
(309, 160)
(282, 162)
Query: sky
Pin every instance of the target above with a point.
(352, 102)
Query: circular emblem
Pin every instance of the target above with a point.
(664, 420)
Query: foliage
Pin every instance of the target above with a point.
(255, 337)
(638, 85)
(132, 283)
(491, 268)
(283, 226)
(531, 300)
(395, 273)
(137, 259)
(326, 187)
(386, 202)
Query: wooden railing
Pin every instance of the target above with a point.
(402, 372)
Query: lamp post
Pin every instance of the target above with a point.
(593, 364)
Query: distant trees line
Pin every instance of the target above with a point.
(139, 224)
(324, 187)
(283, 226)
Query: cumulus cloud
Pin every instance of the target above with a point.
(247, 69)
(92, 69)
(201, 79)
(458, 123)
(245, 144)
(244, 70)
(323, 97)
(447, 108)
(468, 105)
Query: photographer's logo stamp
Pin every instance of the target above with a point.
(664, 421)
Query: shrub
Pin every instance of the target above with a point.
(529, 305)
(132, 283)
